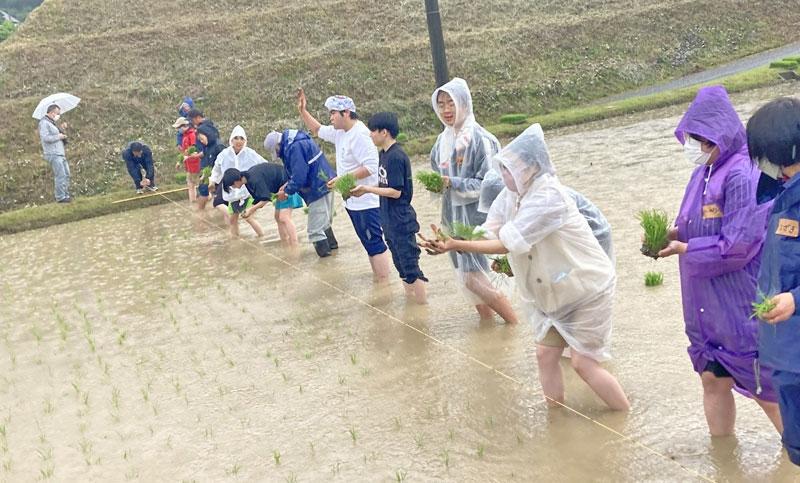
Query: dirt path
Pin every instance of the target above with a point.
(741, 65)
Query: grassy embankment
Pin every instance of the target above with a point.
(131, 66)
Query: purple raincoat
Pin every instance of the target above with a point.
(725, 230)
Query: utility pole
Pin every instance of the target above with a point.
(437, 42)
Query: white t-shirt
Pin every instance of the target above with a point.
(354, 149)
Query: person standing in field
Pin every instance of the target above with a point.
(54, 139)
(356, 154)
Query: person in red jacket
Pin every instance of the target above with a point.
(191, 158)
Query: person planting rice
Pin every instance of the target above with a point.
(461, 155)
(236, 155)
(191, 161)
(356, 155)
(308, 172)
(398, 218)
(773, 137)
(249, 191)
(718, 235)
(564, 278)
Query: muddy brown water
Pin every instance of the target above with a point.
(145, 346)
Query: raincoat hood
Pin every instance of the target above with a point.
(210, 132)
(238, 131)
(712, 116)
(458, 90)
(526, 158)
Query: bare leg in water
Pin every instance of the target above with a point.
(494, 300)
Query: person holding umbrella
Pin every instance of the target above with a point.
(54, 138)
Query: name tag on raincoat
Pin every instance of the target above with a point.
(787, 227)
(711, 211)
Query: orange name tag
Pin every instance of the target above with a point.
(711, 211)
(787, 227)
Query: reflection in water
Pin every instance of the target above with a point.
(146, 346)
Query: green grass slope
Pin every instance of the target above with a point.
(131, 62)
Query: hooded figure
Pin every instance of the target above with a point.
(463, 153)
(183, 112)
(564, 278)
(724, 230)
(245, 159)
(213, 148)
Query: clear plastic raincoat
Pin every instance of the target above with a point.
(229, 158)
(463, 152)
(564, 278)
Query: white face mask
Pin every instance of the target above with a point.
(770, 169)
(57, 117)
(693, 150)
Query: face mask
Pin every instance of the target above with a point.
(57, 117)
(692, 149)
(770, 169)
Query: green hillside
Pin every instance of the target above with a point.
(131, 62)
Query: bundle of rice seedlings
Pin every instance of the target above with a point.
(344, 184)
(191, 150)
(762, 306)
(655, 224)
(432, 181)
(205, 174)
(180, 177)
(503, 266)
(461, 231)
(653, 279)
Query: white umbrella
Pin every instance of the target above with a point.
(63, 100)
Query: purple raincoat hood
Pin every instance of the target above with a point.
(712, 116)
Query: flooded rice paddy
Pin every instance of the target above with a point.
(146, 346)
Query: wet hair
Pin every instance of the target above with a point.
(136, 147)
(385, 120)
(773, 132)
(231, 176)
(193, 113)
(52, 107)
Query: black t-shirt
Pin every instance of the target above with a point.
(394, 171)
(264, 179)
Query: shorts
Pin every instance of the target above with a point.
(293, 201)
(787, 385)
(202, 189)
(553, 339)
(192, 164)
(218, 197)
(367, 224)
(237, 207)
(405, 255)
(717, 369)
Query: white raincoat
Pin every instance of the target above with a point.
(563, 276)
(228, 158)
(463, 152)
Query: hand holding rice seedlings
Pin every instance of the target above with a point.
(344, 184)
(205, 174)
(431, 180)
(191, 150)
(762, 306)
(655, 224)
(653, 279)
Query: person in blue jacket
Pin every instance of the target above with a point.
(186, 105)
(138, 157)
(209, 138)
(308, 171)
(773, 138)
